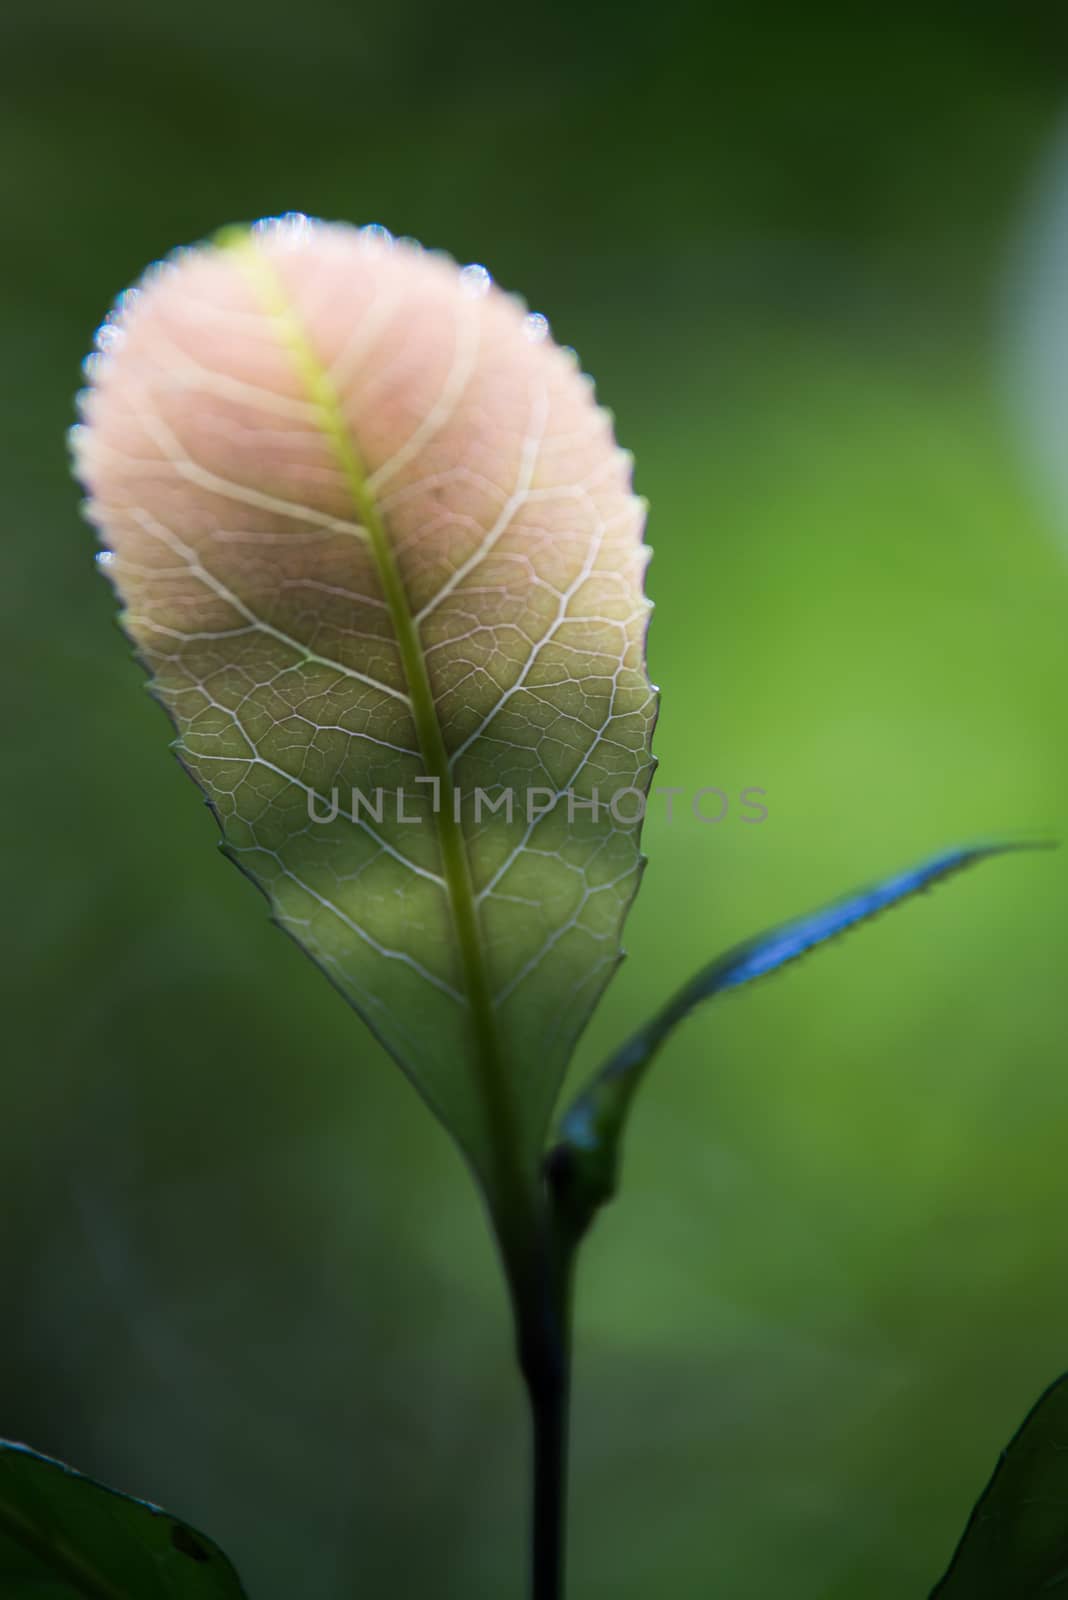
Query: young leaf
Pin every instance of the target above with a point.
(378, 549)
(1015, 1546)
(585, 1163)
(64, 1536)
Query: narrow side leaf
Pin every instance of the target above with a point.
(1015, 1546)
(64, 1535)
(378, 549)
(585, 1162)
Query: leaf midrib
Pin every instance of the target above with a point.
(487, 1057)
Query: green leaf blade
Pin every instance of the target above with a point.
(67, 1537)
(377, 545)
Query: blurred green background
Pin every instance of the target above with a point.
(242, 1272)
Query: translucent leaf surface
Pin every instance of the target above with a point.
(63, 1537)
(371, 532)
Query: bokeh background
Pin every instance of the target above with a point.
(241, 1271)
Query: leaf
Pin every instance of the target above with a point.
(585, 1162)
(62, 1535)
(1016, 1543)
(372, 533)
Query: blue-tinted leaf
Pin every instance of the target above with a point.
(1015, 1546)
(64, 1537)
(585, 1163)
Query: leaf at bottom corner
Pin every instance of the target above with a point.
(1015, 1546)
(65, 1537)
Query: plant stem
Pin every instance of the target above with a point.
(549, 1408)
(543, 1316)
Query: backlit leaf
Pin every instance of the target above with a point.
(371, 532)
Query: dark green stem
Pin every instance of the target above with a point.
(540, 1281)
(550, 1406)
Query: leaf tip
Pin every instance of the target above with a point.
(234, 236)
